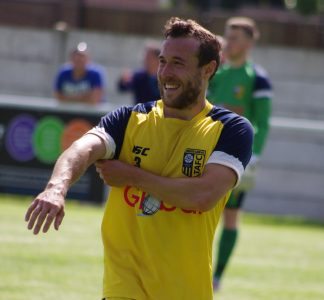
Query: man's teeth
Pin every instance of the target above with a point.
(171, 86)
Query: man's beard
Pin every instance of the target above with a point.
(189, 97)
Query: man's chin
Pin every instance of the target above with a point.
(170, 102)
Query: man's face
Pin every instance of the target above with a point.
(237, 43)
(179, 76)
(79, 60)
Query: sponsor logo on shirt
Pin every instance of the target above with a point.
(193, 162)
(76, 88)
(149, 205)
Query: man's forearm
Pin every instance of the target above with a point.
(71, 165)
(48, 206)
(180, 192)
(198, 193)
(67, 170)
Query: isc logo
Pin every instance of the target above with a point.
(139, 151)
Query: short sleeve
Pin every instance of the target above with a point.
(262, 85)
(234, 147)
(97, 80)
(59, 81)
(111, 129)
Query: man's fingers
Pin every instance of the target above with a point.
(34, 216)
(58, 219)
(49, 220)
(30, 210)
(41, 218)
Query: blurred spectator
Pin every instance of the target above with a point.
(143, 82)
(243, 87)
(222, 55)
(79, 81)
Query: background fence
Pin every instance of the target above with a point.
(292, 171)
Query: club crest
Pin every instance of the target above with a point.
(193, 162)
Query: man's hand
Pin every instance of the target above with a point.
(115, 172)
(194, 193)
(249, 176)
(47, 207)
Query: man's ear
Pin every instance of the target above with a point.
(209, 69)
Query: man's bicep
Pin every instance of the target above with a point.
(220, 176)
(92, 144)
(234, 147)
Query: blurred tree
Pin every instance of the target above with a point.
(203, 5)
(230, 4)
(307, 7)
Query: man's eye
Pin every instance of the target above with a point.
(178, 63)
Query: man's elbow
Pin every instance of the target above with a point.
(207, 201)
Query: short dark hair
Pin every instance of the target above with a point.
(247, 25)
(209, 45)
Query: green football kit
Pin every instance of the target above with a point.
(247, 91)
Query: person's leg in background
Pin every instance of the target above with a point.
(229, 235)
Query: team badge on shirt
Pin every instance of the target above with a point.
(239, 92)
(193, 162)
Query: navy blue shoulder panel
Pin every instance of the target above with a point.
(144, 108)
(115, 124)
(221, 114)
(236, 138)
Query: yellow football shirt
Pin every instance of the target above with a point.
(166, 255)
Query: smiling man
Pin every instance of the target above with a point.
(172, 164)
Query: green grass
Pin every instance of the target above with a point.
(281, 259)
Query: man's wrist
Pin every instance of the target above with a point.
(142, 179)
(135, 177)
(57, 187)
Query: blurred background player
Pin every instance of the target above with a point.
(143, 82)
(79, 81)
(244, 88)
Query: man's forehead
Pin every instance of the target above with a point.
(181, 46)
(80, 53)
(235, 31)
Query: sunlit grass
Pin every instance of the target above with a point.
(279, 259)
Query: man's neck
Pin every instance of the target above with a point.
(77, 74)
(186, 114)
(238, 62)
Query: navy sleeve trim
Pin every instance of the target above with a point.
(115, 124)
(236, 138)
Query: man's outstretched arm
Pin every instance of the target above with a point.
(48, 206)
(198, 193)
